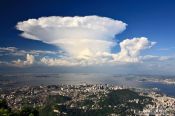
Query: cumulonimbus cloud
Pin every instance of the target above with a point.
(80, 37)
(87, 39)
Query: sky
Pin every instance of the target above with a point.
(116, 36)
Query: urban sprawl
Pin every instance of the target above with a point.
(85, 100)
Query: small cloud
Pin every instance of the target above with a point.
(7, 49)
(57, 62)
(131, 49)
(30, 59)
(13, 51)
(156, 58)
(166, 49)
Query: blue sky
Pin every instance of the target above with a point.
(153, 19)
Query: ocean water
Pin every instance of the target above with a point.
(19, 80)
(164, 88)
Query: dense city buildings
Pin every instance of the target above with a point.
(86, 99)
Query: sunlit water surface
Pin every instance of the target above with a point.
(19, 80)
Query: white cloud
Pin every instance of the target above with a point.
(131, 49)
(57, 62)
(130, 53)
(86, 40)
(166, 49)
(156, 58)
(7, 49)
(30, 59)
(79, 37)
(13, 51)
